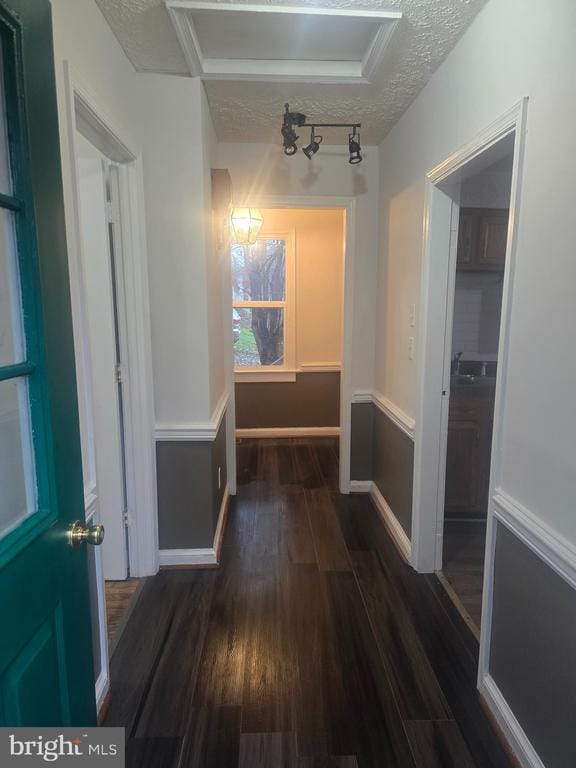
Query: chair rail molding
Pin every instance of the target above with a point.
(194, 431)
(284, 432)
(401, 419)
(320, 367)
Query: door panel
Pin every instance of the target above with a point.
(46, 675)
(101, 342)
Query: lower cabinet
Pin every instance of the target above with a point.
(468, 454)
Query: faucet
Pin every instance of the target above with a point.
(456, 359)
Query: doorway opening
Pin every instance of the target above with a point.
(111, 322)
(457, 456)
(472, 346)
(288, 328)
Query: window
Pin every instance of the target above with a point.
(24, 451)
(262, 311)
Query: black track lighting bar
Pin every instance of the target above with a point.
(294, 120)
(330, 125)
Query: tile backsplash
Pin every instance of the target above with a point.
(477, 307)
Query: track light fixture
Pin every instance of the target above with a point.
(294, 120)
(314, 145)
(354, 148)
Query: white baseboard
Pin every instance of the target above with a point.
(360, 486)
(511, 728)
(102, 688)
(289, 432)
(398, 533)
(199, 557)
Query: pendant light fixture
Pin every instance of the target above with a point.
(246, 225)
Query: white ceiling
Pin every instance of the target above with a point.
(252, 111)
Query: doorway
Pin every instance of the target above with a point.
(110, 307)
(473, 333)
(308, 396)
(439, 376)
(287, 325)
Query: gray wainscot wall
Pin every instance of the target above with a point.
(533, 647)
(189, 499)
(313, 400)
(382, 452)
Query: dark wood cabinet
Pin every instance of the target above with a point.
(482, 237)
(468, 454)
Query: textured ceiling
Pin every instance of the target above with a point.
(246, 111)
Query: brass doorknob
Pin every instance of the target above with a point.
(85, 534)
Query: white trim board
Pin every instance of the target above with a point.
(511, 728)
(202, 556)
(360, 71)
(279, 432)
(398, 534)
(321, 367)
(203, 432)
(101, 688)
(360, 486)
(395, 414)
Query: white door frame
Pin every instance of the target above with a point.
(348, 204)
(139, 403)
(439, 259)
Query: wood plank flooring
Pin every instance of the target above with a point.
(120, 596)
(463, 566)
(312, 646)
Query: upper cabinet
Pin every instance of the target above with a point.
(482, 236)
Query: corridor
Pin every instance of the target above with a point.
(312, 644)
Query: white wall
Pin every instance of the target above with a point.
(262, 169)
(477, 309)
(514, 48)
(166, 118)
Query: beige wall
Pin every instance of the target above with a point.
(319, 240)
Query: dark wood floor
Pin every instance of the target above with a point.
(463, 564)
(312, 645)
(120, 598)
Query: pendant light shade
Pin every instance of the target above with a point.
(246, 225)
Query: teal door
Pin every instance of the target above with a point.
(46, 676)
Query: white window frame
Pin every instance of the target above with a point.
(287, 371)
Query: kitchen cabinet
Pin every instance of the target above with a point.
(482, 237)
(468, 454)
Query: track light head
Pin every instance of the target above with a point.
(314, 145)
(354, 148)
(288, 133)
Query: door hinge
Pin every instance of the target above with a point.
(118, 373)
(126, 517)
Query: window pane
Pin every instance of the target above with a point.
(259, 271)
(5, 180)
(11, 331)
(258, 336)
(17, 483)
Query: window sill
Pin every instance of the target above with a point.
(246, 377)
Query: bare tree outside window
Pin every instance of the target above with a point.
(259, 301)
